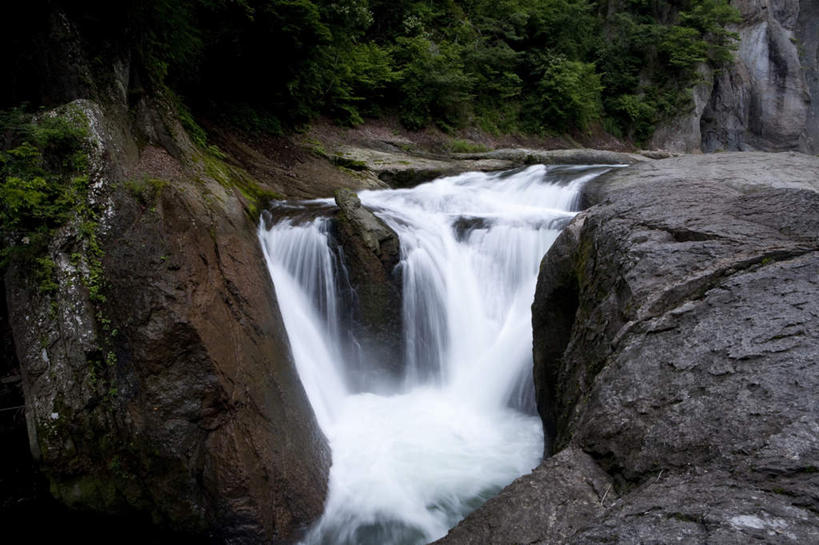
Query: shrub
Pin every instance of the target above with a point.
(567, 95)
(432, 83)
(42, 180)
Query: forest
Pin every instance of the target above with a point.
(503, 66)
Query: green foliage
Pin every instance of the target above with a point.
(458, 145)
(253, 119)
(650, 60)
(567, 95)
(44, 274)
(42, 180)
(361, 75)
(146, 190)
(432, 83)
(504, 65)
(636, 113)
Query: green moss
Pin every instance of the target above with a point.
(194, 130)
(43, 179)
(147, 190)
(86, 491)
(258, 198)
(351, 164)
(466, 146)
(255, 196)
(317, 148)
(361, 175)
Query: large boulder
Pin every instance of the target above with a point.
(372, 253)
(546, 506)
(157, 373)
(676, 344)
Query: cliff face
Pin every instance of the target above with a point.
(769, 97)
(156, 370)
(157, 374)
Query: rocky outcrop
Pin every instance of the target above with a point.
(157, 373)
(683, 132)
(767, 98)
(578, 156)
(676, 345)
(763, 101)
(546, 506)
(371, 255)
(401, 169)
(807, 36)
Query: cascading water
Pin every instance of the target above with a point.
(460, 425)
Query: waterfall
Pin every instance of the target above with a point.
(408, 464)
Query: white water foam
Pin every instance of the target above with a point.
(460, 425)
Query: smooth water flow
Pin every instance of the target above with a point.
(460, 424)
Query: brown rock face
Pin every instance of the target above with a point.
(159, 382)
(214, 367)
(371, 254)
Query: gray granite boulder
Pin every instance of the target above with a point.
(676, 345)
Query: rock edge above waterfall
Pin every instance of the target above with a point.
(399, 169)
(676, 344)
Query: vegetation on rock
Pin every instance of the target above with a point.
(43, 182)
(535, 66)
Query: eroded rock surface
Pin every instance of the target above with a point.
(546, 506)
(763, 101)
(157, 374)
(767, 98)
(371, 254)
(676, 343)
(401, 169)
(580, 156)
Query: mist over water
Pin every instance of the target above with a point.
(413, 458)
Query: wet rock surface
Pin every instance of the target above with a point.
(371, 255)
(158, 381)
(400, 169)
(578, 156)
(676, 343)
(546, 506)
(397, 168)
